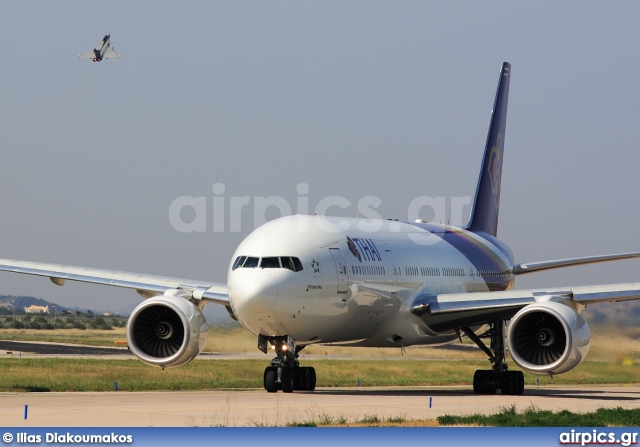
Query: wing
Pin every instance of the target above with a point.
(110, 54)
(87, 55)
(91, 54)
(145, 285)
(453, 310)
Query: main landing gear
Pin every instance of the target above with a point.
(499, 377)
(285, 372)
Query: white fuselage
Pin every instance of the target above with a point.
(359, 278)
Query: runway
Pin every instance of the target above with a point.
(259, 408)
(47, 348)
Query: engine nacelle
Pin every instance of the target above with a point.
(548, 338)
(166, 331)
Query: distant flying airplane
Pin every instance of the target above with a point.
(303, 280)
(103, 50)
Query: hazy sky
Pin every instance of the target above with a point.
(354, 99)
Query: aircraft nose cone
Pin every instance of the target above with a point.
(253, 291)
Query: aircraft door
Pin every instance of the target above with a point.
(341, 269)
(394, 271)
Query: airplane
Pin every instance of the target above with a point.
(104, 50)
(301, 280)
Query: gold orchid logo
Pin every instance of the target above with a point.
(495, 161)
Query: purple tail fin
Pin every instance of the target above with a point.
(484, 214)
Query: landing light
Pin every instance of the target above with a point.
(284, 347)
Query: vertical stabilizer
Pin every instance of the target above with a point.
(484, 214)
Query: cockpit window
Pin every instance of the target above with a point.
(251, 262)
(239, 261)
(297, 264)
(270, 263)
(287, 263)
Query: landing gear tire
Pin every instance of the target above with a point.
(307, 378)
(499, 378)
(270, 377)
(483, 382)
(313, 379)
(287, 380)
(285, 372)
(512, 382)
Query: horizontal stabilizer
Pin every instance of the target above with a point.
(530, 267)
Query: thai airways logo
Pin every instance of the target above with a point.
(363, 249)
(494, 168)
(353, 249)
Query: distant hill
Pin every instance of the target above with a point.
(626, 313)
(215, 314)
(20, 302)
(620, 314)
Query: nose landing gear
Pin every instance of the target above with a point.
(285, 372)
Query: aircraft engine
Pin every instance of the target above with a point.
(166, 331)
(548, 338)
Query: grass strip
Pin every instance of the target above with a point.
(506, 417)
(534, 417)
(28, 374)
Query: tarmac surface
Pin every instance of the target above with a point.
(259, 408)
(46, 348)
